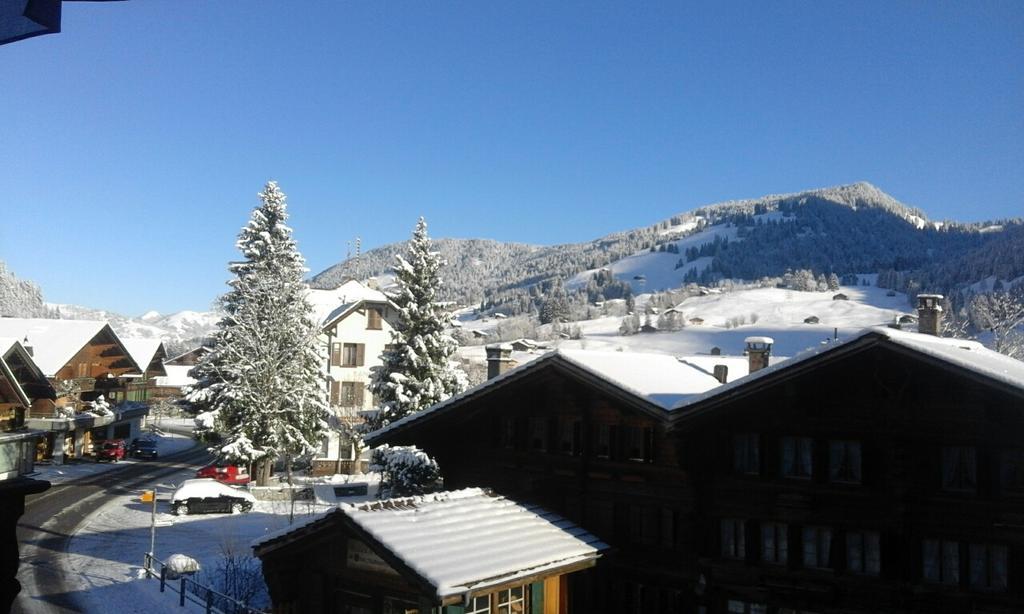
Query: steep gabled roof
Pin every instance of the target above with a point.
(143, 351)
(652, 383)
(10, 384)
(969, 357)
(461, 542)
(329, 306)
(55, 342)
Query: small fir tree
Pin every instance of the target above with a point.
(263, 377)
(418, 370)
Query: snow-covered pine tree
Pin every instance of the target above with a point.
(263, 377)
(418, 370)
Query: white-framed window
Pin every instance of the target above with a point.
(844, 461)
(603, 441)
(511, 601)
(634, 443)
(817, 542)
(538, 433)
(774, 542)
(733, 538)
(863, 552)
(797, 457)
(987, 567)
(940, 561)
(746, 453)
(479, 605)
(959, 468)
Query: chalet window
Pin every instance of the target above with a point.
(511, 601)
(508, 432)
(351, 394)
(863, 553)
(987, 567)
(746, 453)
(1011, 471)
(667, 534)
(797, 455)
(733, 538)
(569, 436)
(603, 441)
(335, 354)
(735, 606)
(637, 443)
(774, 542)
(817, 547)
(538, 433)
(959, 468)
(353, 354)
(373, 318)
(479, 605)
(83, 369)
(941, 561)
(643, 525)
(844, 461)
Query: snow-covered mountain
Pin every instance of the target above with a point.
(847, 229)
(179, 330)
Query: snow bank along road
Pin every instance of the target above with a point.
(51, 519)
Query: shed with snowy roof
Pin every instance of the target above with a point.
(450, 552)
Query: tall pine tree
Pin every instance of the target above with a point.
(263, 377)
(417, 370)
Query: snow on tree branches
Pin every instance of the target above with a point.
(263, 377)
(404, 470)
(418, 370)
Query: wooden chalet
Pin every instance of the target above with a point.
(402, 555)
(17, 446)
(88, 355)
(148, 354)
(884, 472)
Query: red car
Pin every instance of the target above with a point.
(111, 450)
(225, 473)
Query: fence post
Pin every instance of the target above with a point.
(163, 578)
(209, 600)
(181, 600)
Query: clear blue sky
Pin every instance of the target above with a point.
(134, 142)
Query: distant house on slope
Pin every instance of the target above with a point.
(695, 321)
(812, 320)
(840, 297)
(150, 355)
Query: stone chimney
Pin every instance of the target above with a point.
(759, 349)
(31, 351)
(499, 359)
(721, 373)
(929, 314)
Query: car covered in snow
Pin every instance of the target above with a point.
(225, 472)
(111, 450)
(205, 495)
(143, 448)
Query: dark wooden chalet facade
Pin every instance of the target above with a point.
(882, 473)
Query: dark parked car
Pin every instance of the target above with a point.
(143, 448)
(201, 496)
(111, 450)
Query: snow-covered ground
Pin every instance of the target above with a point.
(167, 444)
(772, 312)
(105, 557)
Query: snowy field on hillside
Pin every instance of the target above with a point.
(779, 313)
(105, 558)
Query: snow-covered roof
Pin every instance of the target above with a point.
(54, 342)
(660, 380)
(962, 353)
(177, 376)
(330, 305)
(467, 541)
(142, 351)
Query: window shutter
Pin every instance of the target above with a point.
(577, 438)
(335, 354)
(335, 392)
(648, 445)
(615, 442)
(360, 354)
(537, 597)
(360, 391)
